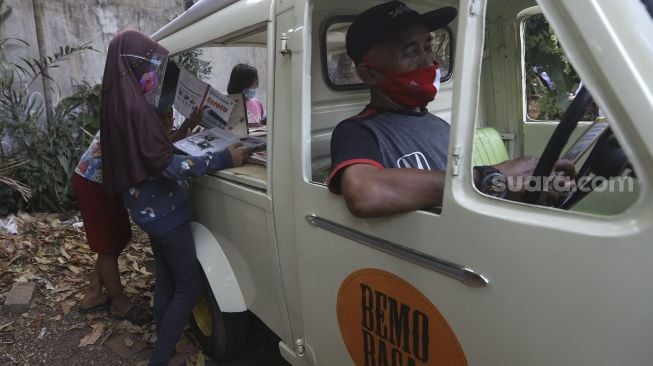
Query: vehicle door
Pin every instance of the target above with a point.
(483, 281)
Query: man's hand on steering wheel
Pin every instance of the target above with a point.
(519, 173)
(563, 182)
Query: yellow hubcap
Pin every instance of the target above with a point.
(202, 315)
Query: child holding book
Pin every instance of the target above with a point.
(244, 80)
(140, 165)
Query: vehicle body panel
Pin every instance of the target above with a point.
(564, 288)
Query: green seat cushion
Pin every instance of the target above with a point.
(489, 148)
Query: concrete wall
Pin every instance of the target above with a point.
(75, 22)
(224, 59)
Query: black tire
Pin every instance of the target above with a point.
(221, 335)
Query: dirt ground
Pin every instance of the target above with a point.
(50, 250)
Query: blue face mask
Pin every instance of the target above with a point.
(249, 93)
(165, 102)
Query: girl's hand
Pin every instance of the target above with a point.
(238, 155)
(195, 118)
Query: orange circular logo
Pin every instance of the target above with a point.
(385, 321)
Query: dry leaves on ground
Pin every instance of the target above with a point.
(51, 249)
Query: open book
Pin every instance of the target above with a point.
(218, 110)
(215, 140)
(210, 140)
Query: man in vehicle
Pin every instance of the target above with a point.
(392, 157)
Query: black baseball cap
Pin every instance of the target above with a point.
(376, 24)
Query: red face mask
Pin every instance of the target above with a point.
(415, 88)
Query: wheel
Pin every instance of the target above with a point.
(221, 335)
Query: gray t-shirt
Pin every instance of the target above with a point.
(389, 140)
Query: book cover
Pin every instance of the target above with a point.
(193, 93)
(210, 140)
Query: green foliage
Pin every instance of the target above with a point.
(51, 152)
(544, 54)
(84, 107)
(33, 69)
(48, 152)
(190, 60)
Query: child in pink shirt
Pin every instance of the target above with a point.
(244, 80)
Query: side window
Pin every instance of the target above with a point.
(214, 65)
(442, 47)
(339, 70)
(242, 73)
(339, 75)
(604, 184)
(551, 81)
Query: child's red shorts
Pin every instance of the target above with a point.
(106, 220)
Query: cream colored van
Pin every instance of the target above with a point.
(481, 280)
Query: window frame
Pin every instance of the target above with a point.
(324, 62)
(522, 18)
(324, 28)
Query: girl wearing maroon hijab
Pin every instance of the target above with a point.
(106, 221)
(139, 164)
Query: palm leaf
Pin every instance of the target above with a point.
(6, 168)
(3, 41)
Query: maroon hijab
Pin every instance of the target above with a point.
(134, 145)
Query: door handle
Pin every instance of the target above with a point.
(461, 273)
(285, 51)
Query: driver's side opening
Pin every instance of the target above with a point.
(337, 91)
(523, 103)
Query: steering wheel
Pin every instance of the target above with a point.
(559, 139)
(607, 158)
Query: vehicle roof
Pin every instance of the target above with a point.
(199, 10)
(211, 23)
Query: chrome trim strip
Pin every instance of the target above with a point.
(463, 274)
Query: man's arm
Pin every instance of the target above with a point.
(373, 192)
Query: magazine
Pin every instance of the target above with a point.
(259, 157)
(218, 110)
(237, 123)
(260, 130)
(254, 143)
(258, 146)
(210, 140)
